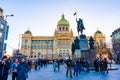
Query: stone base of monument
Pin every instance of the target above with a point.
(85, 53)
(90, 54)
(83, 42)
(77, 53)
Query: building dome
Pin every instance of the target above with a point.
(98, 32)
(28, 32)
(63, 21)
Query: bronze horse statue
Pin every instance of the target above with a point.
(80, 26)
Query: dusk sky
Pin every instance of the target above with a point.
(41, 17)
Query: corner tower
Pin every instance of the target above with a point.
(99, 37)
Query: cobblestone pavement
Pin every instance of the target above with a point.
(49, 74)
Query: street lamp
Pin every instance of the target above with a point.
(8, 16)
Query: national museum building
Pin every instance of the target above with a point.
(52, 47)
(49, 47)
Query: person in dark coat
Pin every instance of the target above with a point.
(87, 64)
(4, 68)
(58, 65)
(105, 65)
(96, 64)
(23, 69)
(75, 68)
(36, 64)
(69, 67)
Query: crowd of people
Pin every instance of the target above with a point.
(40, 63)
(84, 65)
(101, 65)
(19, 68)
(78, 66)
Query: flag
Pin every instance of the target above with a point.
(74, 13)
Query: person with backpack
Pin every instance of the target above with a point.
(69, 67)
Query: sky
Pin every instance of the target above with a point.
(41, 17)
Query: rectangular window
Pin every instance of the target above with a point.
(32, 46)
(38, 47)
(42, 47)
(66, 45)
(26, 41)
(48, 42)
(33, 41)
(38, 41)
(49, 47)
(25, 46)
(43, 42)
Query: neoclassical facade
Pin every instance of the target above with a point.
(50, 47)
(53, 47)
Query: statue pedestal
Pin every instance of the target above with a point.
(92, 56)
(77, 53)
(83, 42)
(85, 53)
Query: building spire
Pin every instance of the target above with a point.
(63, 17)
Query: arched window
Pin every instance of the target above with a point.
(66, 28)
(63, 29)
(60, 28)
